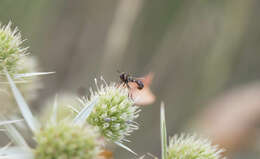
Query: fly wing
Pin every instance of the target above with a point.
(144, 96)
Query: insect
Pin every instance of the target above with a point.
(126, 78)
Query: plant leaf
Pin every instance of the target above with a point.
(16, 153)
(73, 109)
(24, 108)
(142, 157)
(151, 155)
(10, 122)
(55, 110)
(32, 74)
(163, 133)
(80, 119)
(15, 136)
(24, 81)
(126, 148)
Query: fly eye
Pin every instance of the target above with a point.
(140, 84)
(122, 76)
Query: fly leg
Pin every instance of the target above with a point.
(130, 95)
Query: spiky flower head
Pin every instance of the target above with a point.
(114, 112)
(55, 138)
(13, 59)
(192, 147)
(11, 50)
(65, 113)
(66, 141)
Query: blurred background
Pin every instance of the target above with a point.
(204, 54)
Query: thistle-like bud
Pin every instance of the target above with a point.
(114, 112)
(66, 141)
(11, 50)
(192, 147)
(13, 58)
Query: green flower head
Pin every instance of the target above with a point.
(55, 138)
(192, 147)
(66, 141)
(114, 112)
(10, 48)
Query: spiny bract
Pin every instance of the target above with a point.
(65, 102)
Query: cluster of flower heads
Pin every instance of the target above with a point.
(54, 138)
(108, 113)
(58, 136)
